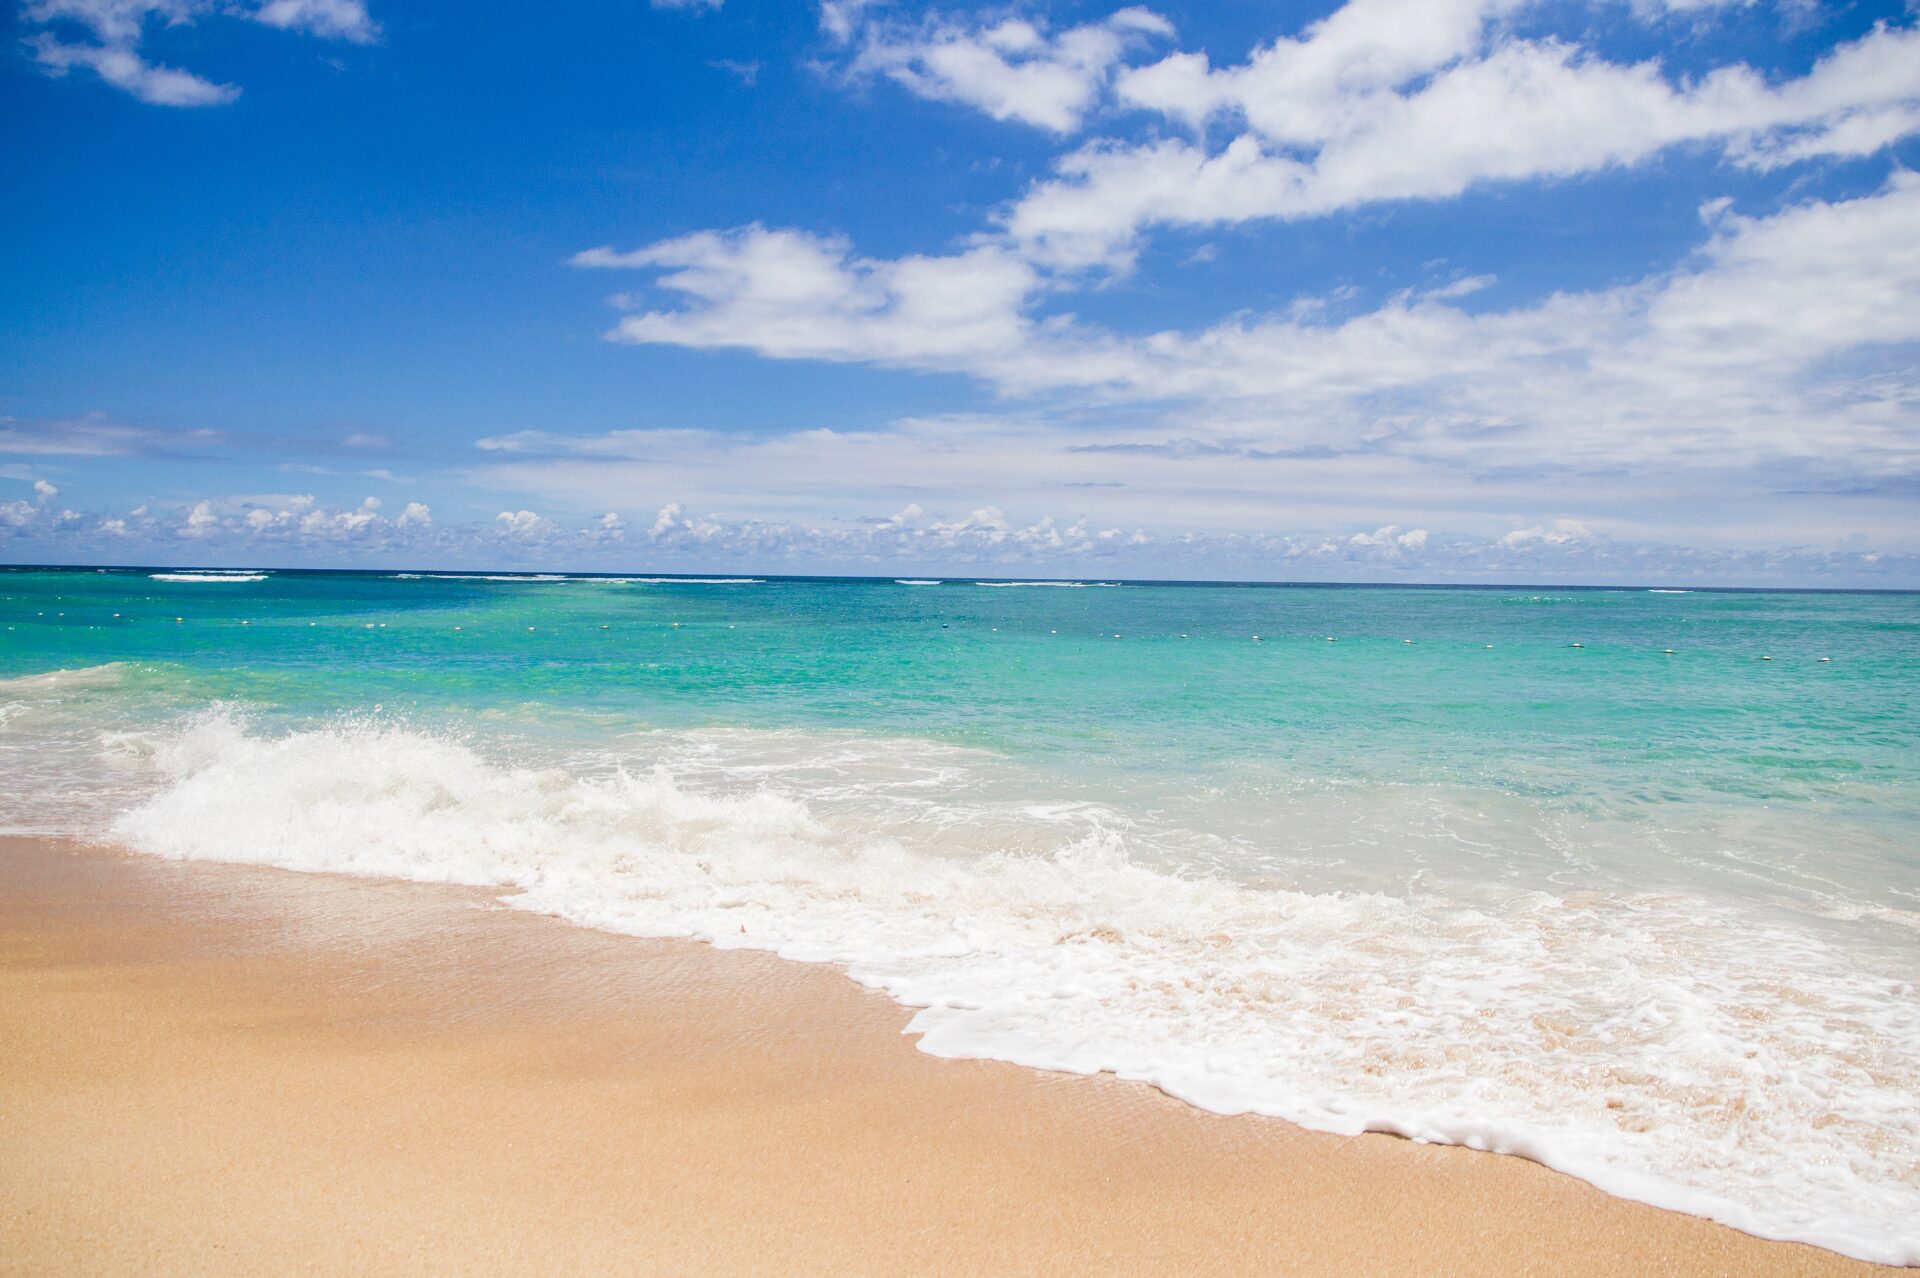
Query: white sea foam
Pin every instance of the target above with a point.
(53, 680)
(1658, 591)
(495, 576)
(1664, 1048)
(909, 581)
(601, 581)
(227, 577)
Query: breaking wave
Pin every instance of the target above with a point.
(1664, 1048)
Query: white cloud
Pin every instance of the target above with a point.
(1562, 532)
(123, 68)
(1737, 358)
(200, 521)
(332, 19)
(362, 439)
(1380, 100)
(1377, 120)
(526, 526)
(800, 296)
(44, 491)
(117, 29)
(94, 435)
(1013, 69)
(747, 73)
(987, 538)
(292, 520)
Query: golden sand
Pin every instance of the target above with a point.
(216, 1070)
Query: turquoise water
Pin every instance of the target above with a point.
(1481, 865)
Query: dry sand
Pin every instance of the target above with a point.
(215, 1070)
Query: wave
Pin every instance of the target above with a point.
(549, 577)
(1658, 591)
(912, 581)
(53, 680)
(1663, 1048)
(232, 577)
(482, 576)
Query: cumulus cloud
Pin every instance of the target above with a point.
(1385, 101)
(1739, 356)
(800, 296)
(1012, 69)
(1380, 100)
(112, 33)
(984, 539)
(526, 526)
(44, 491)
(1560, 533)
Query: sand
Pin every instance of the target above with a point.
(216, 1070)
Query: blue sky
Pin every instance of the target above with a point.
(1445, 290)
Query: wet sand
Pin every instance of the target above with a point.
(216, 1070)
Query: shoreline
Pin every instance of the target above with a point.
(214, 1068)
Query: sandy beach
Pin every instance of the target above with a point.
(225, 1070)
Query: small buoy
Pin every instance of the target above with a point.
(1256, 638)
(367, 626)
(1406, 641)
(1576, 645)
(1826, 658)
(1766, 658)
(604, 627)
(116, 614)
(383, 626)
(311, 624)
(459, 627)
(1331, 639)
(1053, 632)
(179, 618)
(246, 623)
(1116, 635)
(1668, 651)
(529, 627)
(1183, 636)
(676, 626)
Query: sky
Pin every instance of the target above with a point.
(1607, 291)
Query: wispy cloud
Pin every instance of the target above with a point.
(95, 435)
(112, 32)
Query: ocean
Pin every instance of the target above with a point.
(1625, 881)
